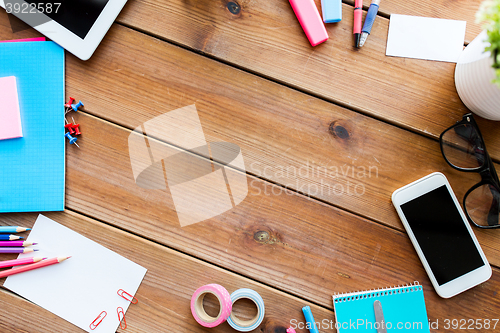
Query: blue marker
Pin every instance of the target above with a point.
(370, 18)
(311, 324)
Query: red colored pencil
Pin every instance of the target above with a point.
(40, 264)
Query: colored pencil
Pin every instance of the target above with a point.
(40, 264)
(9, 237)
(16, 250)
(12, 230)
(16, 243)
(17, 262)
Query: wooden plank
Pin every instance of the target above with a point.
(282, 239)
(288, 241)
(267, 129)
(452, 10)
(287, 137)
(265, 37)
(165, 293)
(19, 315)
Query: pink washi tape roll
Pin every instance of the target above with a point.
(199, 312)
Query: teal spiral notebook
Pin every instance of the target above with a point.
(32, 168)
(403, 310)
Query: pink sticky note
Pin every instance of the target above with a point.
(10, 117)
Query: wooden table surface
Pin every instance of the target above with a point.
(353, 120)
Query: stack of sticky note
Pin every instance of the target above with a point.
(10, 117)
(32, 151)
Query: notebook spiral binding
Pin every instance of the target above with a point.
(351, 296)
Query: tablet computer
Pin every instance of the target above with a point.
(77, 25)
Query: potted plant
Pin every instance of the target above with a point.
(477, 75)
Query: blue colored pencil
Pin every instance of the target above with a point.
(12, 230)
(9, 237)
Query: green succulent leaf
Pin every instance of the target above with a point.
(489, 16)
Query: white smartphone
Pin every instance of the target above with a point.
(441, 235)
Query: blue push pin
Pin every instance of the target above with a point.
(72, 140)
(76, 106)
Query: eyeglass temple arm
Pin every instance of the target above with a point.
(494, 173)
(494, 209)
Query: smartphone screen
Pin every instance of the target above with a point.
(442, 235)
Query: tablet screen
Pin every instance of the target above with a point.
(78, 16)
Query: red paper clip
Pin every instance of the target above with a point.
(127, 296)
(121, 318)
(98, 320)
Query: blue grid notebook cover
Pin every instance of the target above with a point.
(403, 308)
(32, 168)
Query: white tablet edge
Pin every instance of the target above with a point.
(82, 48)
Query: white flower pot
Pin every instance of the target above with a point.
(473, 76)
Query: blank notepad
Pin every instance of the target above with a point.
(10, 118)
(354, 312)
(32, 168)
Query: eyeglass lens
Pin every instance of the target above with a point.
(463, 147)
(483, 205)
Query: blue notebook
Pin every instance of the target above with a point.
(32, 168)
(403, 309)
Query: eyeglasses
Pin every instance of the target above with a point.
(463, 148)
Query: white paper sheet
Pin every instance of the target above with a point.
(81, 287)
(425, 38)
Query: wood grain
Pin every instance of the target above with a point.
(289, 138)
(281, 129)
(284, 240)
(165, 293)
(266, 38)
(463, 10)
(19, 315)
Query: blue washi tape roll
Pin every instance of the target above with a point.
(247, 325)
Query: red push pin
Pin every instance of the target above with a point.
(68, 105)
(75, 127)
(69, 127)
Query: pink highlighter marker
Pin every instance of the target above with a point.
(310, 20)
